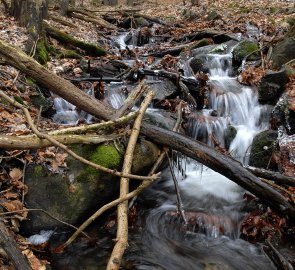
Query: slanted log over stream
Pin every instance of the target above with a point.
(208, 156)
(225, 165)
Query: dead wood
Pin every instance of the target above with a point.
(225, 165)
(122, 211)
(277, 258)
(273, 176)
(133, 194)
(8, 244)
(64, 38)
(52, 82)
(98, 127)
(62, 21)
(66, 149)
(98, 21)
(33, 142)
(133, 97)
(93, 79)
(170, 75)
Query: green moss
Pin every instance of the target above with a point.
(247, 49)
(19, 100)
(39, 171)
(68, 54)
(41, 52)
(291, 21)
(90, 49)
(105, 155)
(273, 10)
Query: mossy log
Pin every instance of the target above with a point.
(33, 142)
(18, 59)
(88, 17)
(42, 52)
(90, 49)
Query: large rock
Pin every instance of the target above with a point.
(244, 49)
(263, 148)
(163, 89)
(284, 51)
(272, 86)
(74, 195)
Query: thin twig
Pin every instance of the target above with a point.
(122, 211)
(179, 201)
(66, 149)
(45, 212)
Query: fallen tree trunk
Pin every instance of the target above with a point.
(191, 148)
(52, 82)
(33, 142)
(220, 163)
(96, 20)
(90, 49)
(273, 176)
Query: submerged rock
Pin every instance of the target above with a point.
(73, 196)
(263, 147)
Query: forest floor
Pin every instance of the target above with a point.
(270, 17)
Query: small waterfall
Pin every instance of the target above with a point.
(234, 104)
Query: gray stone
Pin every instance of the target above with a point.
(263, 148)
(272, 86)
(283, 52)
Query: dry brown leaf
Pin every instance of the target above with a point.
(15, 174)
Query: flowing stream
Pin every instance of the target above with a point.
(213, 204)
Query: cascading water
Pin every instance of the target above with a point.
(212, 203)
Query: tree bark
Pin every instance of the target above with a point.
(10, 247)
(52, 82)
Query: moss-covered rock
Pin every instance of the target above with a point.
(283, 52)
(245, 49)
(263, 148)
(74, 195)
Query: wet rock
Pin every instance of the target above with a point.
(197, 64)
(272, 85)
(39, 100)
(283, 115)
(229, 135)
(141, 22)
(74, 195)
(163, 89)
(262, 149)
(161, 118)
(244, 49)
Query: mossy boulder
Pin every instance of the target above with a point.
(283, 52)
(263, 148)
(78, 192)
(245, 49)
(213, 15)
